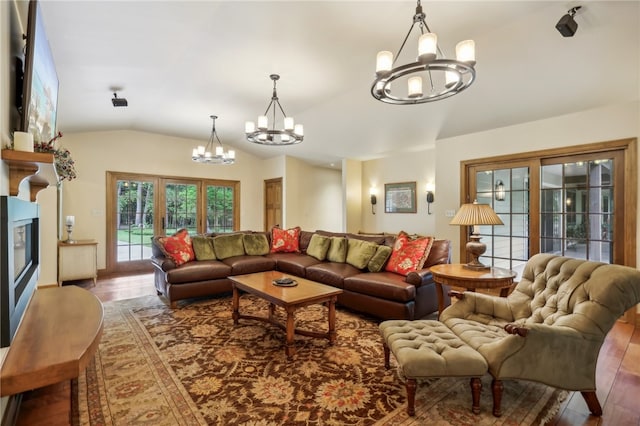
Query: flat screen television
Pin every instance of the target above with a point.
(19, 261)
(40, 81)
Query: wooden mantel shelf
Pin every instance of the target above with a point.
(37, 167)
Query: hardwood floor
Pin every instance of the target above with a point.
(618, 375)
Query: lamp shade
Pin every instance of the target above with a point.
(476, 214)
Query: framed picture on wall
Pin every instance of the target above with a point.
(400, 197)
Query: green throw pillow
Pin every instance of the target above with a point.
(255, 244)
(319, 246)
(228, 246)
(359, 252)
(337, 250)
(376, 264)
(203, 248)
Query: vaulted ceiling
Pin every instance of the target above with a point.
(178, 62)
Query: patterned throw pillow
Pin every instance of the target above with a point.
(408, 255)
(285, 240)
(178, 247)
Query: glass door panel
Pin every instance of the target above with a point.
(134, 220)
(507, 192)
(576, 217)
(180, 207)
(220, 211)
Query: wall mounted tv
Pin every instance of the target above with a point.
(40, 84)
(19, 261)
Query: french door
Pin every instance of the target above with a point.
(142, 206)
(575, 201)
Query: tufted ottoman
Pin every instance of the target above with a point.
(427, 348)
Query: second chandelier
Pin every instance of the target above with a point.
(261, 134)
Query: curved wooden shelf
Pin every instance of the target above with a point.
(59, 334)
(37, 167)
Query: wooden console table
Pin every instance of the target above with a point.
(457, 275)
(58, 336)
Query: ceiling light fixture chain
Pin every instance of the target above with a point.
(447, 77)
(261, 134)
(208, 155)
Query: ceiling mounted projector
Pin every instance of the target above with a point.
(567, 25)
(119, 102)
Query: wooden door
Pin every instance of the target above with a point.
(272, 203)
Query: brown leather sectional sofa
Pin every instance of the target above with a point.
(385, 295)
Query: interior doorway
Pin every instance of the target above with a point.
(272, 203)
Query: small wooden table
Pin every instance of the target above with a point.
(306, 293)
(57, 337)
(457, 275)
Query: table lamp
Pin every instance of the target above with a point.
(474, 215)
(70, 221)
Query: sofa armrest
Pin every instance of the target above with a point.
(162, 263)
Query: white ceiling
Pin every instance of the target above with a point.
(178, 62)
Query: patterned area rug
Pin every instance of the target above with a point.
(192, 366)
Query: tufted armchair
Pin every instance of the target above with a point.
(551, 327)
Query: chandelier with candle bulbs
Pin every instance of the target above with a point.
(213, 152)
(261, 134)
(431, 77)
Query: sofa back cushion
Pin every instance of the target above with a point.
(228, 245)
(379, 259)
(378, 239)
(319, 246)
(440, 253)
(177, 247)
(337, 250)
(360, 252)
(203, 247)
(305, 239)
(285, 240)
(409, 255)
(255, 244)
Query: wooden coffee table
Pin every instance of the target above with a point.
(306, 293)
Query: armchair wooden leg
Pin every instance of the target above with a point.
(410, 385)
(592, 402)
(386, 355)
(476, 388)
(496, 388)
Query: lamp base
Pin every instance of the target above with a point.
(476, 249)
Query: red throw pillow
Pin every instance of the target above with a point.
(408, 255)
(285, 240)
(178, 247)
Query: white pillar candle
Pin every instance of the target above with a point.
(288, 123)
(384, 62)
(23, 141)
(427, 47)
(466, 52)
(415, 87)
(263, 122)
(249, 127)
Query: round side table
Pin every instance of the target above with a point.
(456, 275)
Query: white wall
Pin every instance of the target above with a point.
(415, 166)
(352, 196)
(312, 196)
(602, 124)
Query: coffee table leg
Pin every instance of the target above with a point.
(440, 294)
(235, 303)
(272, 311)
(290, 348)
(332, 320)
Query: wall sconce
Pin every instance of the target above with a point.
(430, 196)
(500, 193)
(374, 199)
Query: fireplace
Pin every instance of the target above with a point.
(19, 261)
